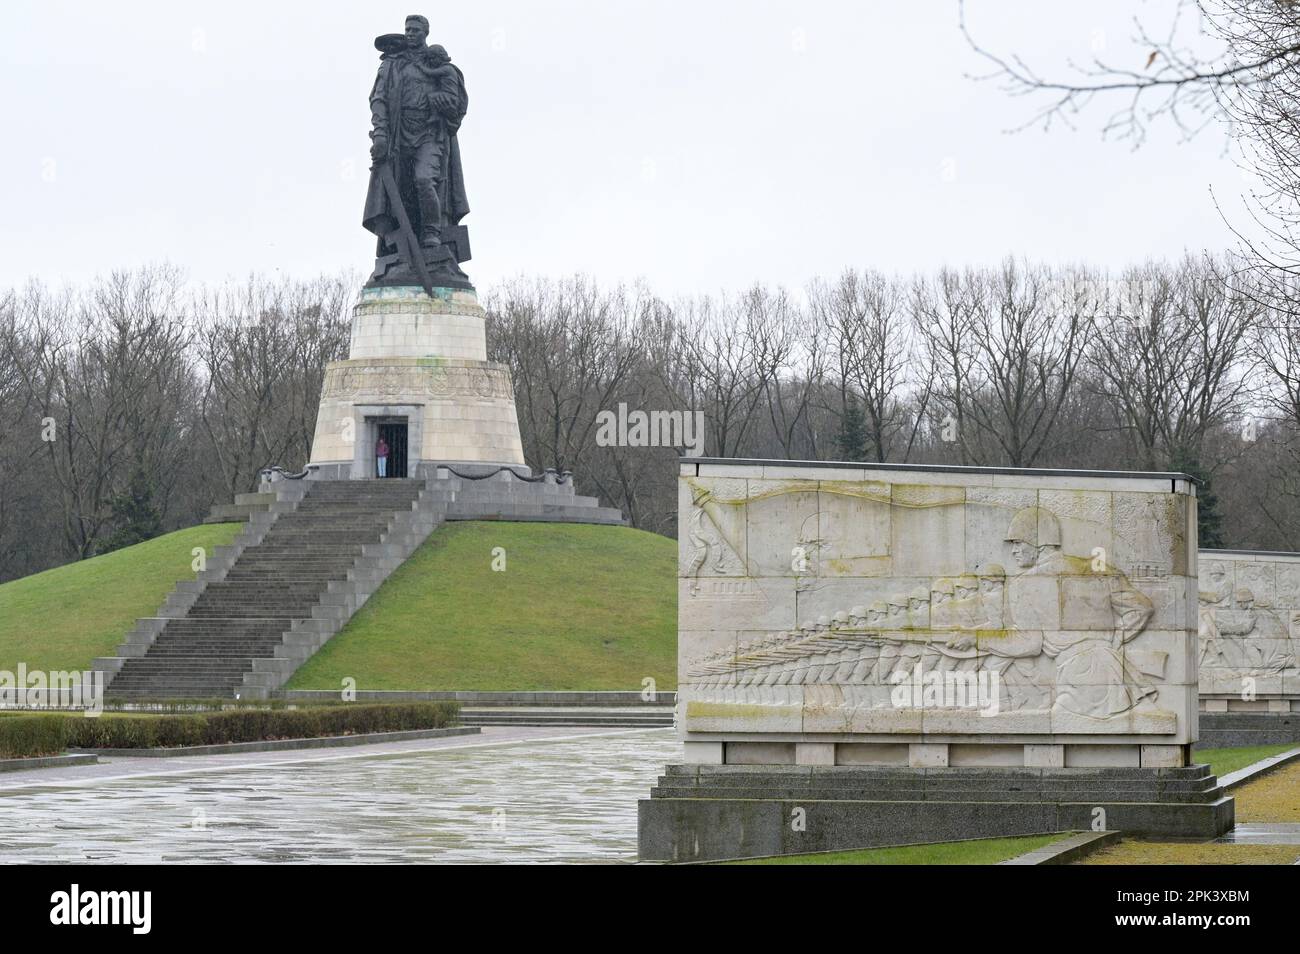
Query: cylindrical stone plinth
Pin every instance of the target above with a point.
(403, 322)
(420, 362)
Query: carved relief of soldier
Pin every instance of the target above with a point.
(991, 621)
(1240, 633)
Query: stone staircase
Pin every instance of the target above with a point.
(311, 555)
(289, 582)
(648, 717)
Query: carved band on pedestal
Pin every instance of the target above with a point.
(432, 381)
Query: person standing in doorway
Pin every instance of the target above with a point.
(381, 456)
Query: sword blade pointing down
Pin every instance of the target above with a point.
(404, 238)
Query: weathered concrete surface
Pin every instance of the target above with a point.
(708, 813)
(1249, 624)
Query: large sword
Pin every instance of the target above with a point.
(404, 236)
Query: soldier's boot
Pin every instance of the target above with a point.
(430, 214)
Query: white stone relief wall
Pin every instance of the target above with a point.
(810, 595)
(1249, 625)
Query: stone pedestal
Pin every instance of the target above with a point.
(902, 627)
(420, 363)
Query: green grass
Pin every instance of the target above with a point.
(1271, 798)
(985, 851)
(63, 618)
(1134, 851)
(1224, 761)
(577, 607)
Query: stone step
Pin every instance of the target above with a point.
(192, 678)
(1192, 785)
(1123, 793)
(264, 564)
(295, 611)
(612, 720)
(277, 553)
(870, 773)
(217, 648)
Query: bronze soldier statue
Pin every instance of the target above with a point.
(416, 197)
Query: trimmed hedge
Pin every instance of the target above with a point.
(48, 734)
(30, 736)
(216, 704)
(256, 725)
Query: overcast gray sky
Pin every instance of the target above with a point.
(701, 145)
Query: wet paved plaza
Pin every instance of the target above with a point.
(511, 795)
(1264, 833)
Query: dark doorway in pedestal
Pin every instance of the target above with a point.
(393, 431)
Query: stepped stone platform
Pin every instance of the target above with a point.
(715, 812)
(242, 509)
(649, 717)
(513, 493)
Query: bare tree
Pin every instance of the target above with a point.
(867, 335)
(715, 368)
(1006, 357)
(571, 348)
(263, 347)
(110, 369)
(1171, 356)
(1236, 62)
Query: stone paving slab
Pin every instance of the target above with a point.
(123, 768)
(511, 795)
(1263, 833)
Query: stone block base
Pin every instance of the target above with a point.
(706, 813)
(1272, 705)
(1224, 730)
(926, 752)
(498, 492)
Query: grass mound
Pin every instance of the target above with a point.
(574, 607)
(63, 618)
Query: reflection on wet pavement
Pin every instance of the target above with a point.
(1263, 833)
(570, 799)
